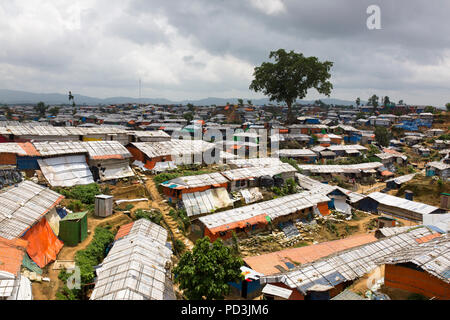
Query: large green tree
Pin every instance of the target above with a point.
(447, 106)
(205, 272)
(358, 101)
(382, 136)
(41, 108)
(290, 77)
(373, 101)
(54, 111)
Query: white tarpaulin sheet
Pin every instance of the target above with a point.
(206, 202)
(66, 171)
(164, 166)
(342, 206)
(115, 171)
(251, 195)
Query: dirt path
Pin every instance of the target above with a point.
(164, 208)
(373, 188)
(48, 290)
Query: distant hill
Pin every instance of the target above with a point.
(23, 97)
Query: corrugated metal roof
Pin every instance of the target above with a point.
(405, 204)
(135, 268)
(66, 171)
(255, 162)
(296, 153)
(432, 256)
(277, 291)
(201, 180)
(273, 208)
(23, 206)
(173, 147)
(346, 265)
(340, 168)
(255, 172)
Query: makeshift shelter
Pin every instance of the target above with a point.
(136, 268)
(208, 201)
(22, 214)
(178, 151)
(398, 207)
(43, 245)
(110, 159)
(327, 277)
(177, 187)
(67, 171)
(103, 205)
(256, 216)
(423, 269)
(73, 228)
(13, 286)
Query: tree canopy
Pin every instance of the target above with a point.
(382, 136)
(373, 101)
(448, 106)
(291, 76)
(41, 108)
(205, 272)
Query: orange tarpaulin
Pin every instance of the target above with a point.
(11, 255)
(43, 245)
(261, 218)
(323, 208)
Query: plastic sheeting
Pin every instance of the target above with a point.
(43, 245)
(66, 171)
(53, 220)
(342, 206)
(116, 171)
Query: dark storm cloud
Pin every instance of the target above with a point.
(201, 47)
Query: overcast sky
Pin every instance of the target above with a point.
(208, 48)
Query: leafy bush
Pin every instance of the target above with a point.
(75, 206)
(86, 194)
(292, 162)
(179, 246)
(290, 187)
(153, 216)
(94, 253)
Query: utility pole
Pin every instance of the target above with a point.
(140, 84)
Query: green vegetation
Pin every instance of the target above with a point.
(382, 136)
(292, 162)
(179, 246)
(86, 260)
(41, 108)
(180, 172)
(181, 217)
(154, 216)
(75, 206)
(290, 187)
(331, 227)
(94, 253)
(205, 272)
(290, 77)
(86, 194)
(445, 137)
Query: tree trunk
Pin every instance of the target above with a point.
(289, 119)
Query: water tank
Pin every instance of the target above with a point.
(266, 181)
(278, 181)
(103, 205)
(409, 195)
